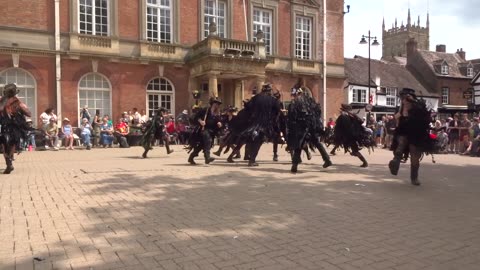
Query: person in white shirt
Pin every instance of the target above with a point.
(45, 117)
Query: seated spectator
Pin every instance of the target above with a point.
(106, 133)
(121, 130)
(171, 126)
(475, 149)
(86, 133)
(67, 131)
(465, 145)
(51, 134)
(30, 135)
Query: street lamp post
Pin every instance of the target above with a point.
(374, 43)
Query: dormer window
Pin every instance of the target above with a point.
(444, 69)
(470, 72)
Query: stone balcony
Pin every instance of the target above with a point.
(162, 51)
(228, 48)
(94, 44)
(227, 56)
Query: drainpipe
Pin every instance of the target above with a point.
(58, 63)
(245, 17)
(324, 61)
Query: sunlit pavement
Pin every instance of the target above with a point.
(110, 209)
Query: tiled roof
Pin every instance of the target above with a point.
(390, 74)
(454, 61)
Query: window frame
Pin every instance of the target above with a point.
(158, 9)
(470, 72)
(160, 93)
(310, 39)
(358, 98)
(108, 8)
(216, 16)
(110, 90)
(35, 90)
(445, 96)
(444, 69)
(262, 25)
(389, 96)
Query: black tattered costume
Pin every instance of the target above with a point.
(207, 124)
(304, 128)
(412, 136)
(351, 135)
(14, 128)
(155, 130)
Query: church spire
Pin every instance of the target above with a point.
(428, 20)
(395, 22)
(409, 20)
(383, 24)
(418, 24)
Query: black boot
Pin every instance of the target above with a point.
(309, 155)
(144, 155)
(362, 158)
(326, 158)
(275, 157)
(414, 175)
(218, 152)
(208, 159)
(167, 146)
(9, 168)
(327, 163)
(191, 157)
(252, 164)
(294, 168)
(394, 166)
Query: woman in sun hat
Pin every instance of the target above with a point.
(68, 132)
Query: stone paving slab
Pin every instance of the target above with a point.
(110, 209)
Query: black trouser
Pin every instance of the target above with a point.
(321, 148)
(415, 155)
(205, 144)
(254, 148)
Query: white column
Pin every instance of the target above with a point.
(58, 61)
(213, 85)
(324, 109)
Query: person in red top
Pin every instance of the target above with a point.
(171, 126)
(121, 131)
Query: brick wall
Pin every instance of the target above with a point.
(37, 15)
(43, 71)
(128, 19)
(189, 22)
(335, 31)
(456, 86)
(64, 16)
(128, 81)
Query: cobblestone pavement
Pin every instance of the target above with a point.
(110, 209)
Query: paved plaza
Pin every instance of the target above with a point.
(110, 209)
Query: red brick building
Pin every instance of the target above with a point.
(448, 74)
(114, 55)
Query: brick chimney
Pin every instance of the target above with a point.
(461, 53)
(441, 48)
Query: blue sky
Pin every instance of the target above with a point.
(455, 23)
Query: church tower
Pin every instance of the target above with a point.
(394, 40)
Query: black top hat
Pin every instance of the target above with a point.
(10, 90)
(215, 100)
(346, 107)
(267, 87)
(232, 109)
(161, 109)
(407, 91)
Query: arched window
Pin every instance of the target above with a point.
(25, 83)
(160, 94)
(94, 90)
